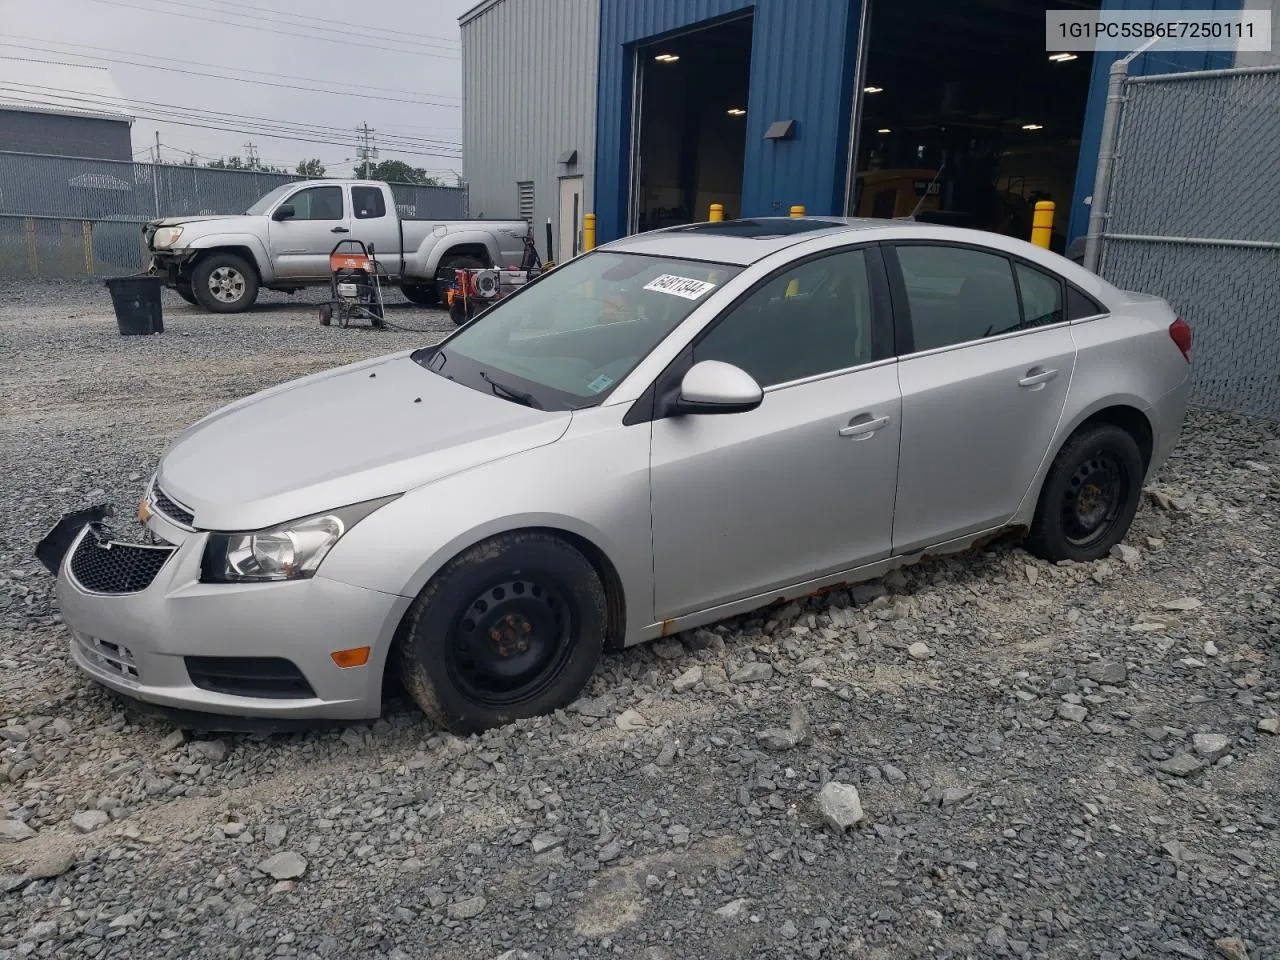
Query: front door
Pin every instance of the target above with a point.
(300, 246)
(571, 211)
(803, 485)
(984, 383)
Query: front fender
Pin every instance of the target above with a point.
(217, 241)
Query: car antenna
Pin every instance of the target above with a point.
(920, 202)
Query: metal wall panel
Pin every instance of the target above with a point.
(802, 60)
(529, 96)
(32, 132)
(1148, 63)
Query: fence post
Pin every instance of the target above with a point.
(86, 228)
(33, 252)
(1100, 201)
(716, 214)
(1042, 224)
(588, 232)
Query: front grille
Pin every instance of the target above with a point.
(116, 567)
(171, 509)
(271, 677)
(109, 657)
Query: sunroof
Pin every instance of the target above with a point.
(761, 229)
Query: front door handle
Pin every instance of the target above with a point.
(863, 426)
(339, 230)
(1037, 377)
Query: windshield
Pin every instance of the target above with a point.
(566, 341)
(264, 204)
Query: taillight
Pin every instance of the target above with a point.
(1180, 331)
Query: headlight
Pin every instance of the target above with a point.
(166, 237)
(290, 551)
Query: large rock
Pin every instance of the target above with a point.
(1107, 671)
(467, 909)
(1183, 765)
(752, 672)
(688, 680)
(284, 866)
(15, 831)
(87, 821)
(840, 805)
(1211, 746)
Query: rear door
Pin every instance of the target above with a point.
(300, 246)
(986, 357)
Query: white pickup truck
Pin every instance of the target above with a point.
(283, 242)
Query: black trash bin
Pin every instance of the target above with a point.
(137, 303)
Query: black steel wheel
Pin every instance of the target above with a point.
(511, 628)
(1090, 495)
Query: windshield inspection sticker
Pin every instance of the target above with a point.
(680, 286)
(600, 383)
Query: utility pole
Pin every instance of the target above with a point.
(155, 175)
(251, 156)
(365, 148)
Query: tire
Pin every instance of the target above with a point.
(225, 283)
(458, 313)
(426, 295)
(517, 600)
(186, 293)
(1090, 496)
(445, 277)
(326, 314)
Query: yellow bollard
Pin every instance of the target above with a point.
(588, 232)
(797, 211)
(717, 213)
(1042, 223)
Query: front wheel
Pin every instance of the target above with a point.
(511, 628)
(1090, 496)
(224, 283)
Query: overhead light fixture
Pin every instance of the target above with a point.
(667, 58)
(873, 89)
(1032, 126)
(736, 112)
(884, 130)
(1063, 57)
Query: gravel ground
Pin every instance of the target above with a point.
(1049, 761)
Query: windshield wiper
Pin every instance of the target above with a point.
(503, 390)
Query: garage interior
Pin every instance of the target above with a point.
(692, 105)
(967, 116)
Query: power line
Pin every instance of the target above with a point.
(421, 101)
(65, 93)
(215, 66)
(345, 41)
(163, 117)
(364, 26)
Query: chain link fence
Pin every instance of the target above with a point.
(1193, 215)
(67, 217)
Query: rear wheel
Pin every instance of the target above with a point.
(445, 277)
(224, 283)
(424, 295)
(1090, 496)
(511, 628)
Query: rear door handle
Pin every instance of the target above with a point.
(863, 426)
(1037, 377)
(339, 230)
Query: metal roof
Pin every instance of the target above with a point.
(64, 89)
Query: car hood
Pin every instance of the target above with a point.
(356, 433)
(222, 222)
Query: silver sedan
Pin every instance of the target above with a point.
(675, 428)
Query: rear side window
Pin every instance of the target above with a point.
(957, 295)
(1081, 305)
(368, 203)
(1041, 297)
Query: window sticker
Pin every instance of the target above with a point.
(680, 286)
(600, 383)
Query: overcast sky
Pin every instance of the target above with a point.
(398, 70)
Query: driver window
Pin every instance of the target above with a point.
(811, 319)
(317, 203)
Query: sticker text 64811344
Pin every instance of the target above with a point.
(680, 286)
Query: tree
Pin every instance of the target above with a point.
(395, 171)
(234, 163)
(311, 168)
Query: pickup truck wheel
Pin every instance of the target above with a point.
(224, 283)
(185, 292)
(425, 295)
(511, 628)
(445, 277)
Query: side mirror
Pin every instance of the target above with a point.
(283, 212)
(713, 386)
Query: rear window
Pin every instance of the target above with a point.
(368, 203)
(1081, 305)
